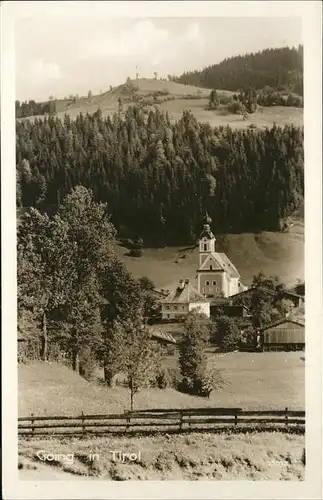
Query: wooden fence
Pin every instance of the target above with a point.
(161, 420)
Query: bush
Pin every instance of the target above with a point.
(88, 363)
(232, 340)
(175, 377)
(163, 378)
(203, 384)
(135, 252)
(236, 107)
(28, 351)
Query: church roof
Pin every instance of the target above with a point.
(206, 232)
(184, 293)
(223, 261)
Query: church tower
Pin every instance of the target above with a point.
(206, 240)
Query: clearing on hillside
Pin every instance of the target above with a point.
(274, 253)
(175, 98)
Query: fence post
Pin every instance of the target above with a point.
(286, 416)
(128, 420)
(181, 420)
(32, 423)
(83, 423)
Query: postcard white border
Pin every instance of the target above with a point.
(311, 14)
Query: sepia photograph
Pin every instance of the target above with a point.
(160, 199)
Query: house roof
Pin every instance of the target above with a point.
(184, 293)
(292, 294)
(224, 262)
(250, 290)
(290, 319)
(160, 335)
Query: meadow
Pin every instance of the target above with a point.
(269, 380)
(175, 98)
(275, 253)
(251, 456)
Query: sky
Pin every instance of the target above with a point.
(67, 55)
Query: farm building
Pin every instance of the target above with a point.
(162, 337)
(183, 299)
(295, 298)
(286, 334)
(233, 311)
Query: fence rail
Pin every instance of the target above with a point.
(160, 420)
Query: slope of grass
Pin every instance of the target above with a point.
(177, 98)
(249, 380)
(263, 456)
(280, 254)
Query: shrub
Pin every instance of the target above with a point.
(135, 252)
(175, 377)
(88, 363)
(163, 378)
(202, 384)
(28, 351)
(232, 340)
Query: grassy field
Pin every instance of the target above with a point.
(249, 380)
(261, 456)
(177, 98)
(280, 254)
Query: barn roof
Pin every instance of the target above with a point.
(184, 293)
(292, 294)
(290, 319)
(160, 335)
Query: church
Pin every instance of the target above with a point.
(217, 278)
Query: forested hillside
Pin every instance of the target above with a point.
(281, 69)
(158, 177)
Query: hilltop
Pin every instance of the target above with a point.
(175, 98)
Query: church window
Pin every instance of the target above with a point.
(205, 247)
(203, 290)
(207, 283)
(217, 289)
(213, 282)
(211, 267)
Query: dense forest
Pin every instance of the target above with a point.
(280, 69)
(157, 177)
(33, 108)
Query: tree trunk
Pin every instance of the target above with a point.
(131, 399)
(75, 361)
(44, 347)
(108, 375)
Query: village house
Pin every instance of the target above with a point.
(182, 299)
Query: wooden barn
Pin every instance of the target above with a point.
(288, 334)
